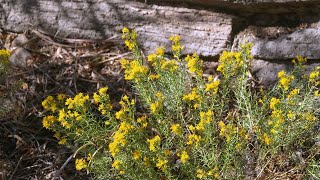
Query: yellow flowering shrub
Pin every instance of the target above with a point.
(186, 126)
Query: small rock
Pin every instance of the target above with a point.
(19, 57)
(267, 71)
(19, 41)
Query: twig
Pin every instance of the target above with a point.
(114, 58)
(63, 166)
(16, 168)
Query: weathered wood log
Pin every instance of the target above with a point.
(204, 32)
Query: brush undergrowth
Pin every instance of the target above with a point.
(4, 72)
(185, 126)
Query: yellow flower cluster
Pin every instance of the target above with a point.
(274, 102)
(102, 98)
(80, 164)
(201, 174)
(161, 163)
(159, 62)
(125, 109)
(79, 101)
(65, 118)
(130, 38)
(176, 129)
(169, 65)
(4, 60)
(299, 60)
(4, 54)
(160, 51)
(230, 63)
(142, 121)
(205, 118)
(293, 93)
(154, 59)
(309, 116)
(133, 70)
(157, 106)
(116, 164)
(277, 120)
(50, 104)
(154, 76)
(48, 121)
(184, 157)
(193, 138)
(227, 131)
(285, 79)
(193, 97)
(194, 64)
(154, 143)
(314, 76)
(213, 85)
(62, 140)
(119, 138)
(136, 155)
(266, 139)
(176, 46)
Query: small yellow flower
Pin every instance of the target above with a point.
(184, 157)
(176, 47)
(285, 79)
(120, 115)
(281, 74)
(124, 63)
(155, 107)
(62, 141)
(293, 93)
(48, 121)
(213, 86)
(160, 51)
(154, 76)
(176, 129)
(193, 139)
(167, 152)
(290, 115)
(194, 64)
(201, 174)
(313, 76)
(61, 97)
(153, 143)
(162, 163)
(80, 164)
(103, 91)
(134, 71)
(89, 157)
(49, 104)
(317, 93)
(125, 30)
(116, 164)
(169, 65)
(274, 102)
(136, 155)
(193, 97)
(266, 139)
